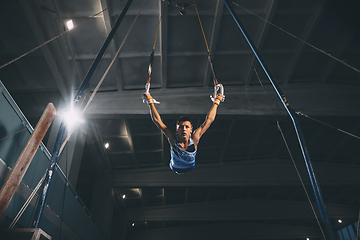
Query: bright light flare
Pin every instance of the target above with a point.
(124, 196)
(107, 145)
(70, 24)
(72, 117)
(339, 221)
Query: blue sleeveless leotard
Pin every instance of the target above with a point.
(182, 161)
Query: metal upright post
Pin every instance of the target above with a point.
(291, 112)
(62, 129)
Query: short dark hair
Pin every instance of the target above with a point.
(183, 119)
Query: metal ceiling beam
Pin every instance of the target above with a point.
(186, 195)
(131, 144)
(112, 49)
(97, 148)
(230, 231)
(309, 28)
(243, 12)
(259, 41)
(187, 54)
(270, 9)
(344, 141)
(122, 55)
(345, 191)
(53, 53)
(225, 142)
(249, 173)
(237, 210)
(144, 12)
(320, 101)
(69, 46)
(256, 140)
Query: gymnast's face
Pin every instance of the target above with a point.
(184, 129)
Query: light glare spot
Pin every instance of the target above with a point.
(123, 196)
(72, 117)
(70, 24)
(339, 221)
(107, 145)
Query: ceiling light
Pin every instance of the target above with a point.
(133, 224)
(107, 146)
(70, 24)
(123, 196)
(307, 238)
(339, 221)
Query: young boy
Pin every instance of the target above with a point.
(183, 142)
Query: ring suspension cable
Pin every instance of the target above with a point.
(103, 77)
(202, 29)
(340, 130)
(310, 45)
(153, 49)
(52, 39)
(291, 156)
(158, 27)
(147, 85)
(217, 86)
(207, 47)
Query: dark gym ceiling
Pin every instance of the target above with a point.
(245, 184)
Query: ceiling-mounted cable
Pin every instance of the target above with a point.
(13, 134)
(310, 45)
(153, 49)
(52, 39)
(338, 129)
(102, 78)
(147, 85)
(297, 112)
